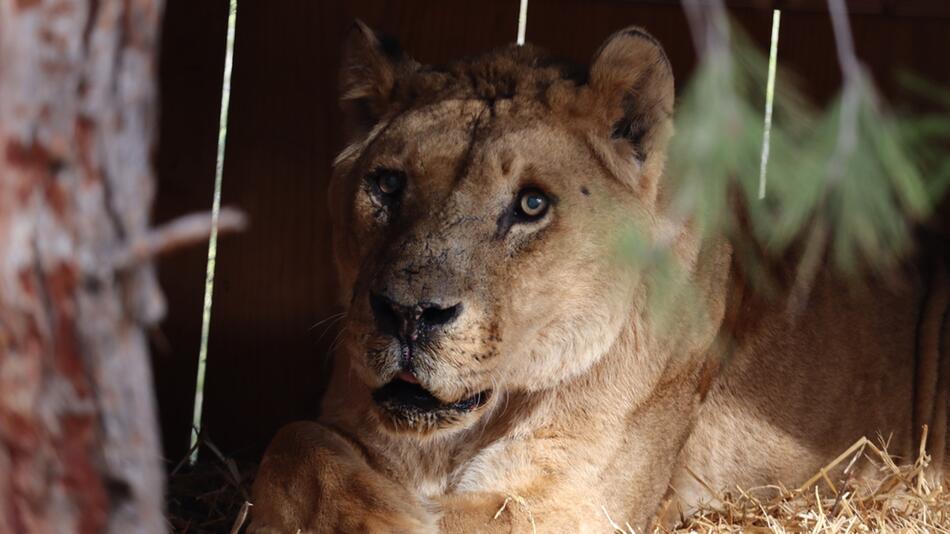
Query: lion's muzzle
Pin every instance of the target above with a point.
(409, 406)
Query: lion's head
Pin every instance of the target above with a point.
(476, 215)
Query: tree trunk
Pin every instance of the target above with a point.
(78, 439)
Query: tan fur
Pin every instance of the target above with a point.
(593, 405)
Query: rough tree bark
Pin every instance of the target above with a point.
(78, 438)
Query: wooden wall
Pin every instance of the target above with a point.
(266, 365)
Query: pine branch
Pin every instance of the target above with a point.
(708, 26)
(851, 97)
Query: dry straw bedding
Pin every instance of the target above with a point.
(894, 499)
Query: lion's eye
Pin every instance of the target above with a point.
(390, 182)
(532, 204)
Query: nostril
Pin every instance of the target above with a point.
(436, 316)
(407, 323)
(388, 320)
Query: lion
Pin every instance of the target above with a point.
(499, 369)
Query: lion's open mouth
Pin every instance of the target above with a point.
(402, 396)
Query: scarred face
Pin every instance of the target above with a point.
(475, 229)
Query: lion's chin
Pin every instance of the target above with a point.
(408, 407)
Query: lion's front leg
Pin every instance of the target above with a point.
(312, 480)
(523, 512)
(485, 512)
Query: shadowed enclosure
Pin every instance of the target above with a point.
(266, 364)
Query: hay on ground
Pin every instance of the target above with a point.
(893, 498)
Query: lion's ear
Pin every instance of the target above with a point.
(633, 81)
(369, 72)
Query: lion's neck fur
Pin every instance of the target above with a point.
(616, 393)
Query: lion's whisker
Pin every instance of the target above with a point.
(330, 317)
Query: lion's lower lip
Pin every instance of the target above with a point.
(402, 395)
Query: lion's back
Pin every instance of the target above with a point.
(855, 362)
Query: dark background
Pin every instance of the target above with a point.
(266, 366)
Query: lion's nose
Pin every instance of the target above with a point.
(409, 322)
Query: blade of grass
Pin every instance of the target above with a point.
(213, 240)
(769, 100)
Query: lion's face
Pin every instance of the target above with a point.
(476, 223)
